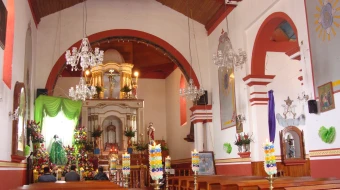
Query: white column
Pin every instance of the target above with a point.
(199, 140)
(210, 136)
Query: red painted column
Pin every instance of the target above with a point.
(8, 54)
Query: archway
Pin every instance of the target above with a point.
(180, 61)
(264, 43)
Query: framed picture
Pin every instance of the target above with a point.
(326, 97)
(3, 23)
(207, 163)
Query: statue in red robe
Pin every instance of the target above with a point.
(151, 132)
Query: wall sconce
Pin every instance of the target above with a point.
(303, 97)
(15, 115)
(136, 74)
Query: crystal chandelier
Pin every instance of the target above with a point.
(82, 91)
(229, 59)
(85, 58)
(191, 92)
(84, 55)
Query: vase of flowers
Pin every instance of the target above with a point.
(238, 142)
(125, 90)
(246, 142)
(129, 133)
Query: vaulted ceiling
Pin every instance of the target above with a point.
(151, 62)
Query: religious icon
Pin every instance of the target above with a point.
(326, 97)
(151, 132)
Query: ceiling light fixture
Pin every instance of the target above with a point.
(191, 91)
(86, 58)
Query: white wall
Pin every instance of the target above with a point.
(179, 148)
(148, 16)
(244, 23)
(22, 19)
(152, 91)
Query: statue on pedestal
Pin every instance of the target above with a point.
(151, 132)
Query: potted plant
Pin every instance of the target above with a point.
(238, 142)
(96, 134)
(246, 142)
(129, 133)
(100, 92)
(125, 90)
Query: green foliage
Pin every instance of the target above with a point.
(164, 148)
(125, 89)
(99, 89)
(141, 147)
(96, 133)
(27, 150)
(129, 133)
(327, 135)
(89, 146)
(227, 147)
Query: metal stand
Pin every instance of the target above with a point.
(271, 181)
(126, 181)
(195, 180)
(114, 172)
(166, 180)
(157, 184)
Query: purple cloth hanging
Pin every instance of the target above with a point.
(271, 116)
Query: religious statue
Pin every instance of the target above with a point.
(151, 132)
(291, 148)
(57, 153)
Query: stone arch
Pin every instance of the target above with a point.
(180, 60)
(263, 43)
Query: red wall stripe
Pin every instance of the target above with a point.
(8, 54)
(183, 103)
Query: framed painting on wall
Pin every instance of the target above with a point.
(207, 163)
(326, 97)
(3, 23)
(227, 97)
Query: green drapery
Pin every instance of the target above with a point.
(52, 105)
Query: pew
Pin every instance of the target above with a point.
(72, 185)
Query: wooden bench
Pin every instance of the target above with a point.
(73, 185)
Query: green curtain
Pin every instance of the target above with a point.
(52, 105)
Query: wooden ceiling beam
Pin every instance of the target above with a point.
(35, 18)
(219, 16)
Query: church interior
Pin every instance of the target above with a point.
(170, 94)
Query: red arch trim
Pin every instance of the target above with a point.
(263, 43)
(121, 32)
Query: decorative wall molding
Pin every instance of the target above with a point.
(6, 164)
(324, 152)
(232, 160)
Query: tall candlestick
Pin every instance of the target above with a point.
(269, 160)
(167, 163)
(126, 164)
(195, 160)
(155, 160)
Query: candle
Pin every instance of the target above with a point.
(269, 158)
(167, 163)
(155, 160)
(195, 161)
(126, 164)
(113, 164)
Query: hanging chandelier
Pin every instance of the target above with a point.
(191, 91)
(226, 57)
(82, 91)
(84, 56)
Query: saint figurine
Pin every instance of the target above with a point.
(151, 132)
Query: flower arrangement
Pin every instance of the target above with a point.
(125, 89)
(41, 158)
(80, 136)
(97, 133)
(70, 155)
(243, 139)
(141, 147)
(129, 132)
(33, 130)
(239, 141)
